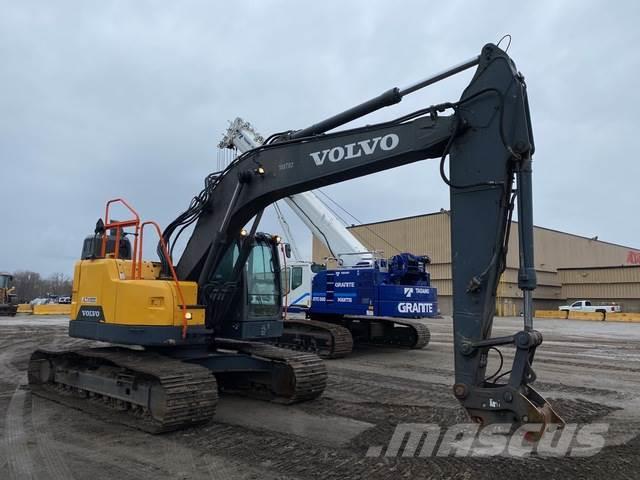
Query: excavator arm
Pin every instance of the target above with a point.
(488, 138)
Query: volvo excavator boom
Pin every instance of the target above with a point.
(488, 138)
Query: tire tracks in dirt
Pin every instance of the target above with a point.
(8, 369)
(19, 460)
(129, 457)
(55, 465)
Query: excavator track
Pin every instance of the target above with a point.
(140, 389)
(396, 332)
(326, 340)
(296, 377)
(379, 331)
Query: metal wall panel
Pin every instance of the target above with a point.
(556, 249)
(600, 275)
(543, 292)
(445, 287)
(610, 291)
(544, 277)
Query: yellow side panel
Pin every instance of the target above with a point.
(144, 302)
(107, 283)
(148, 271)
(94, 285)
(75, 295)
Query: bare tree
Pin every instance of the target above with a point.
(30, 285)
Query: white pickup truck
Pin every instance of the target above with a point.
(586, 306)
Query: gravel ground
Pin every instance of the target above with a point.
(590, 371)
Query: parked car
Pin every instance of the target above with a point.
(587, 306)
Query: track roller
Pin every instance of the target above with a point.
(293, 377)
(326, 340)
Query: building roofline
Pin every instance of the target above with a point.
(599, 267)
(586, 238)
(447, 212)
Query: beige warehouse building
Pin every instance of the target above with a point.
(613, 273)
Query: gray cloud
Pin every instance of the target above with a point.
(106, 99)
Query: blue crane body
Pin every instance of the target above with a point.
(400, 287)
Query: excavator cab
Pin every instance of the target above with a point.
(263, 281)
(246, 303)
(7, 304)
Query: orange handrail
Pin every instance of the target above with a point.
(136, 259)
(134, 222)
(165, 250)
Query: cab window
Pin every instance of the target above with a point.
(225, 268)
(262, 282)
(296, 277)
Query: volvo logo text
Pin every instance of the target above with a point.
(355, 150)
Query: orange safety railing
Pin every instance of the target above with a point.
(136, 259)
(119, 225)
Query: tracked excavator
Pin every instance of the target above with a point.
(367, 300)
(195, 328)
(8, 306)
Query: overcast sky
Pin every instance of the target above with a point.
(101, 99)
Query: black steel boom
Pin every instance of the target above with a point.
(489, 141)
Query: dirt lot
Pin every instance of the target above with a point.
(590, 371)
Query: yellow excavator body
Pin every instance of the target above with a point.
(107, 285)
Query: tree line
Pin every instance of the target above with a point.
(29, 285)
